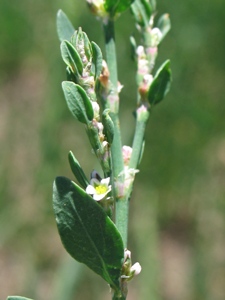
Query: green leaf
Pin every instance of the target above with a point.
(96, 60)
(116, 7)
(65, 28)
(160, 84)
(164, 25)
(71, 57)
(17, 298)
(77, 170)
(78, 102)
(108, 124)
(87, 233)
(142, 11)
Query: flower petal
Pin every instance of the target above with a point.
(90, 190)
(105, 181)
(98, 197)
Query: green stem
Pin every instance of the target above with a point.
(113, 99)
(121, 203)
(118, 297)
(110, 49)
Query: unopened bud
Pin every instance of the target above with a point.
(136, 269)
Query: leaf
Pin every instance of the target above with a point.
(77, 170)
(164, 25)
(108, 124)
(160, 84)
(65, 28)
(17, 298)
(78, 102)
(96, 60)
(142, 12)
(87, 233)
(71, 57)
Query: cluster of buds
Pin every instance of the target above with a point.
(146, 54)
(126, 177)
(129, 270)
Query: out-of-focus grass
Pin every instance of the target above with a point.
(177, 227)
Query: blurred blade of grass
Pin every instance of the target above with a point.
(67, 279)
(145, 234)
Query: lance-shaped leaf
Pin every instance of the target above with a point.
(164, 25)
(77, 170)
(71, 57)
(87, 233)
(160, 84)
(116, 7)
(78, 102)
(65, 28)
(17, 298)
(96, 60)
(142, 11)
(108, 126)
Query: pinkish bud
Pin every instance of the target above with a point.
(127, 151)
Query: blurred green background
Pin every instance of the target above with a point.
(177, 226)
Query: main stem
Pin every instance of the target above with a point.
(121, 201)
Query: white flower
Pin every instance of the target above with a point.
(96, 109)
(98, 189)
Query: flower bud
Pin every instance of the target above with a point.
(136, 269)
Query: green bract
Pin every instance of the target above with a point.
(87, 233)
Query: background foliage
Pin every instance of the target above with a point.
(177, 227)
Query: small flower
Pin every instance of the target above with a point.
(96, 109)
(98, 189)
(127, 151)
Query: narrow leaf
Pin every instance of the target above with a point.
(65, 28)
(108, 126)
(78, 102)
(164, 25)
(71, 57)
(96, 60)
(77, 170)
(87, 233)
(160, 84)
(142, 12)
